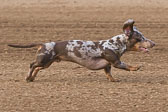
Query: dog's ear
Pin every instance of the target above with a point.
(128, 27)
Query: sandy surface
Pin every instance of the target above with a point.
(67, 86)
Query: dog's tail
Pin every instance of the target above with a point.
(24, 46)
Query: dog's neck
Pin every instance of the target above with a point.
(117, 44)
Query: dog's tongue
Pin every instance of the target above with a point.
(144, 49)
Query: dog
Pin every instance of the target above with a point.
(93, 55)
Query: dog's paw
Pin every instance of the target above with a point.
(29, 79)
(135, 68)
(113, 80)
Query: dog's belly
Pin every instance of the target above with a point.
(94, 64)
(90, 63)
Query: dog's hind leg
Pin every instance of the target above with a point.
(31, 70)
(43, 60)
(37, 69)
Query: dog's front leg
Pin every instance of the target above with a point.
(121, 65)
(107, 70)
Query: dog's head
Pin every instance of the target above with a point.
(135, 39)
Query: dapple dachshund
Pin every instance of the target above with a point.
(93, 55)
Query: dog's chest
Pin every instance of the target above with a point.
(82, 49)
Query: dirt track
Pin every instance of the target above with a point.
(67, 86)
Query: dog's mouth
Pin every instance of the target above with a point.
(143, 49)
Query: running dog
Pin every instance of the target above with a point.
(93, 55)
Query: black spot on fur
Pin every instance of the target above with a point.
(79, 42)
(77, 53)
(103, 42)
(111, 40)
(119, 41)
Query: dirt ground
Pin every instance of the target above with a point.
(67, 86)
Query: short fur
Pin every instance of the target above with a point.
(93, 55)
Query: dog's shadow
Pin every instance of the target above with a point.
(102, 79)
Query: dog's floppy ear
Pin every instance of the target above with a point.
(128, 27)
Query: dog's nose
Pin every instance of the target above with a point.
(153, 44)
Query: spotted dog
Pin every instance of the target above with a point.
(93, 55)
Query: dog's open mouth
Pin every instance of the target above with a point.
(145, 50)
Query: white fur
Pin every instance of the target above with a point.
(85, 49)
(50, 48)
(115, 46)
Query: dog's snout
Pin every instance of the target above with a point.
(150, 43)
